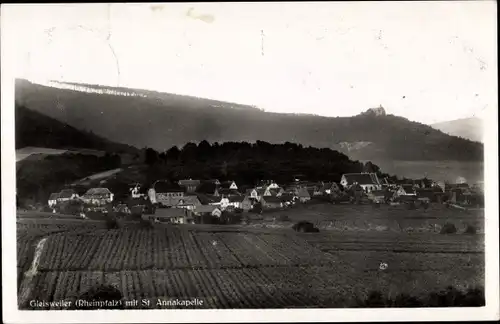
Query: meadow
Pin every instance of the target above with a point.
(435, 170)
(248, 266)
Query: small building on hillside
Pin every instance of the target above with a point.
(406, 190)
(67, 195)
(226, 192)
(228, 185)
(367, 181)
(253, 194)
(303, 195)
(165, 193)
(271, 202)
(247, 203)
(207, 210)
(53, 199)
(377, 196)
(98, 196)
(122, 209)
(136, 191)
(189, 202)
(189, 185)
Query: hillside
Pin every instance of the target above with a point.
(35, 129)
(145, 118)
(469, 128)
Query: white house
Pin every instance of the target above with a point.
(367, 181)
(67, 195)
(53, 199)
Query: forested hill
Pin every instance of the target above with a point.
(38, 130)
(248, 163)
(144, 118)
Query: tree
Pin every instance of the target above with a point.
(151, 156)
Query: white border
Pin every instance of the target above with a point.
(13, 315)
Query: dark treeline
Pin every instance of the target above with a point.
(37, 179)
(248, 163)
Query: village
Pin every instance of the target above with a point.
(192, 201)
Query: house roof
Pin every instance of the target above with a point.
(272, 199)
(236, 198)
(170, 212)
(205, 209)
(54, 196)
(360, 178)
(303, 193)
(189, 182)
(206, 199)
(98, 191)
(66, 193)
(162, 186)
(188, 200)
(225, 191)
(226, 184)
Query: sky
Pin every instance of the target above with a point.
(426, 61)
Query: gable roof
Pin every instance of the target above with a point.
(303, 193)
(271, 199)
(188, 200)
(206, 199)
(205, 209)
(226, 184)
(98, 191)
(361, 178)
(66, 193)
(236, 198)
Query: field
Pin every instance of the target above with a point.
(244, 266)
(435, 170)
(365, 218)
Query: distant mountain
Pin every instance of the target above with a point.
(160, 120)
(37, 133)
(469, 128)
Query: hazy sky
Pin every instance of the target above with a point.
(427, 61)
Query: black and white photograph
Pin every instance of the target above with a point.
(292, 161)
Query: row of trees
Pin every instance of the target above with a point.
(248, 163)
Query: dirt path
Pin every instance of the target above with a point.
(27, 284)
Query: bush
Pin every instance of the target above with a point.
(448, 228)
(305, 227)
(470, 229)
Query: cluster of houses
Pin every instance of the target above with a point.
(182, 201)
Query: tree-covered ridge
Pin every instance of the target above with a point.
(248, 163)
(162, 120)
(38, 130)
